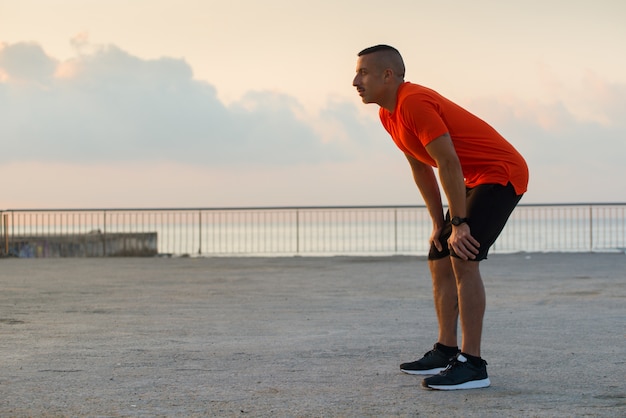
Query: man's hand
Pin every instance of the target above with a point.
(463, 243)
(434, 238)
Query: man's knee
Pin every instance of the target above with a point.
(465, 269)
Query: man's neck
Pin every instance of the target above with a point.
(390, 101)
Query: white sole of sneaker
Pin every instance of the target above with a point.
(424, 372)
(474, 384)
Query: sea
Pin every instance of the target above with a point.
(318, 231)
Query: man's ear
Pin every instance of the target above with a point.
(388, 75)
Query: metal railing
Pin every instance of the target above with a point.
(359, 230)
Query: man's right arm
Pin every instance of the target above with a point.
(426, 182)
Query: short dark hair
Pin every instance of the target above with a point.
(378, 48)
(392, 57)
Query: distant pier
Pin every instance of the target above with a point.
(93, 244)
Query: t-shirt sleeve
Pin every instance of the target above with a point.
(422, 117)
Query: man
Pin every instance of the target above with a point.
(483, 178)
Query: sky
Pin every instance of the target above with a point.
(245, 103)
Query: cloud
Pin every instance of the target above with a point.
(108, 105)
(26, 62)
(107, 111)
(605, 101)
(574, 147)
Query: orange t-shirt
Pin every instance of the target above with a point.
(422, 115)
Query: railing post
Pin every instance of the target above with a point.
(199, 232)
(104, 235)
(13, 231)
(395, 230)
(5, 220)
(297, 231)
(590, 228)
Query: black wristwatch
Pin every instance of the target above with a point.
(456, 221)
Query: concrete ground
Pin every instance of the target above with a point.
(302, 337)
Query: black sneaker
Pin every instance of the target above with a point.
(433, 362)
(460, 374)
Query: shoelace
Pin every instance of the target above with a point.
(451, 365)
(455, 361)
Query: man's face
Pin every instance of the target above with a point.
(369, 79)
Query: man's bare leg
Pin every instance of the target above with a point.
(446, 302)
(472, 301)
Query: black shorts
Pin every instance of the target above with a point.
(488, 209)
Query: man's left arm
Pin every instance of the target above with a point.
(442, 150)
